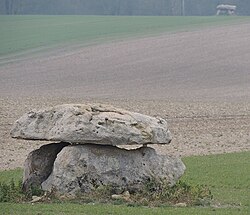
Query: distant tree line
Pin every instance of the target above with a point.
(120, 7)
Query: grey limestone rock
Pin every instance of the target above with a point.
(96, 124)
(82, 168)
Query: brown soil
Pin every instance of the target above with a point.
(198, 80)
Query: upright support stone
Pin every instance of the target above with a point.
(83, 168)
(39, 164)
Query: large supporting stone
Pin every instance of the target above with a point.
(96, 124)
(39, 164)
(82, 168)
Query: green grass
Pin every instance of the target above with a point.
(227, 175)
(7, 175)
(24, 33)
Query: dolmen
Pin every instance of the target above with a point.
(87, 152)
(225, 9)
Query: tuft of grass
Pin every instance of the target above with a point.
(11, 192)
(32, 32)
(154, 193)
(157, 193)
(11, 187)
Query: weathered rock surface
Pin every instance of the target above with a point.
(39, 164)
(82, 168)
(97, 124)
